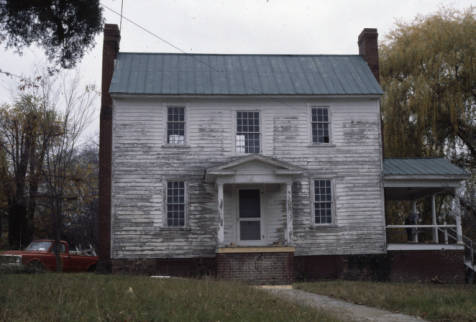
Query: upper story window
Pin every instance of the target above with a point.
(175, 203)
(320, 125)
(176, 125)
(247, 132)
(322, 202)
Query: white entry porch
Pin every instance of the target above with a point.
(254, 201)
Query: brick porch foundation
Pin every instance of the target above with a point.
(257, 267)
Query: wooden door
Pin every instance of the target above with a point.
(249, 215)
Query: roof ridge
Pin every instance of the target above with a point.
(237, 54)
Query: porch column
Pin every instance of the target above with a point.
(457, 213)
(221, 217)
(289, 213)
(415, 216)
(433, 218)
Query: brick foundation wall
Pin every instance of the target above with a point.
(445, 265)
(282, 267)
(183, 267)
(318, 267)
(256, 268)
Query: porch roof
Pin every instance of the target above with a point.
(253, 168)
(413, 178)
(422, 167)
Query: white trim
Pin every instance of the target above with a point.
(424, 247)
(329, 108)
(185, 207)
(263, 236)
(235, 121)
(420, 226)
(185, 126)
(333, 222)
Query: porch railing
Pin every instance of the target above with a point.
(450, 236)
(469, 249)
(416, 229)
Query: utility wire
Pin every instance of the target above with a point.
(177, 48)
(159, 37)
(11, 75)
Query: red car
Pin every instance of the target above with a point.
(40, 255)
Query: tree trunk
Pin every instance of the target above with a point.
(18, 234)
(57, 225)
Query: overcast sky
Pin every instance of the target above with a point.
(235, 26)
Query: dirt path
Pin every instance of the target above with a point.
(344, 310)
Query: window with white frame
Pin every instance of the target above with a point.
(175, 125)
(320, 125)
(322, 201)
(175, 203)
(247, 132)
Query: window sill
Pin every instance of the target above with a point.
(321, 145)
(323, 226)
(175, 229)
(175, 146)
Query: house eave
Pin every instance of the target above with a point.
(244, 96)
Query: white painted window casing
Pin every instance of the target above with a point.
(248, 132)
(323, 204)
(176, 204)
(320, 125)
(176, 124)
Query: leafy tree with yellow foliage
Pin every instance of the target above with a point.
(428, 73)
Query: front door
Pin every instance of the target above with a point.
(249, 215)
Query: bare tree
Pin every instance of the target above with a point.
(60, 172)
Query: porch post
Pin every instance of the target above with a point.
(289, 213)
(221, 217)
(415, 216)
(433, 218)
(457, 212)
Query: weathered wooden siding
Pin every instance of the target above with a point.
(142, 164)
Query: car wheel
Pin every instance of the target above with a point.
(92, 268)
(36, 267)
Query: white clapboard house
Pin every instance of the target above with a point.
(255, 167)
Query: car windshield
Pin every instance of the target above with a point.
(39, 246)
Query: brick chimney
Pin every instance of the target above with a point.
(368, 49)
(110, 49)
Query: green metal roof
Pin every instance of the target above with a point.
(421, 167)
(214, 74)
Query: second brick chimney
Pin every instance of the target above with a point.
(109, 54)
(368, 49)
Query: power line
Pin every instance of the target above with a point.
(11, 75)
(159, 37)
(176, 47)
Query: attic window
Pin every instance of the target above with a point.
(320, 125)
(247, 132)
(176, 125)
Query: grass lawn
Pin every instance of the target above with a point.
(92, 297)
(429, 301)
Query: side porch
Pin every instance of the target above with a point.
(423, 217)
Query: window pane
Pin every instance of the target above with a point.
(322, 202)
(250, 230)
(320, 125)
(249, 203)
(175, 203)
(247, 132)
(176, 125)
